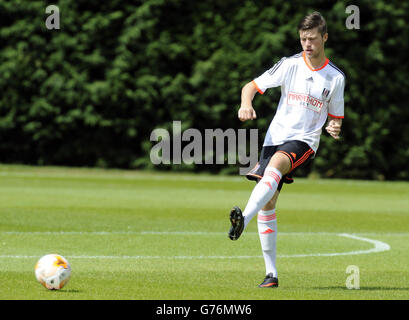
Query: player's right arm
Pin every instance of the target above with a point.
(273, 77)
(246, 111)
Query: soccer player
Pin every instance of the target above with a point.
(312, 91)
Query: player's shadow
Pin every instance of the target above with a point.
(68, 291)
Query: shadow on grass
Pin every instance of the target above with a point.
(362, 288)
(67, 291)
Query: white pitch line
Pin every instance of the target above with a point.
(379, 246)
(181, 233)
(160, 233)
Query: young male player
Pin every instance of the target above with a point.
(312, 90)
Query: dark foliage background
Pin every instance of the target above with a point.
(91, 93)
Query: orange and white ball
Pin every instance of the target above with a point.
(53, 271)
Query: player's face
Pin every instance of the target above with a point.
(312, 42)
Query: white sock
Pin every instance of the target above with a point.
(267, 231)
(262, 193)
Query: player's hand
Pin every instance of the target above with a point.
(247, 113)
(334, 128)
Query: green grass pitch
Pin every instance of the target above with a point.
(141, 235)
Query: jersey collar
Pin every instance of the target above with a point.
(322, 67)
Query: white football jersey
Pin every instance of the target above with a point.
(308, 96)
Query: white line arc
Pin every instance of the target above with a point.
(379, 246)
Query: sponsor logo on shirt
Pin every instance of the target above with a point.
(304, 100)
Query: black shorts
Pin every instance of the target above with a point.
(298, 152)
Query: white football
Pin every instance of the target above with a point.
(53, 271)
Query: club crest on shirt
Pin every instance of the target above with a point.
(304, 100)
(325, 93)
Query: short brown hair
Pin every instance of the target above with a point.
(312, 21)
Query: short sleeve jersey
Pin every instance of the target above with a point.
(308, 96)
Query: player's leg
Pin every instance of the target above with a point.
(279, 164)
(267, 230)
(298, 154)
(271, 205)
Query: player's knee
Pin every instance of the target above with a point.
(281, 162)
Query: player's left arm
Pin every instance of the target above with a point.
(336, 109)
(334, 127)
